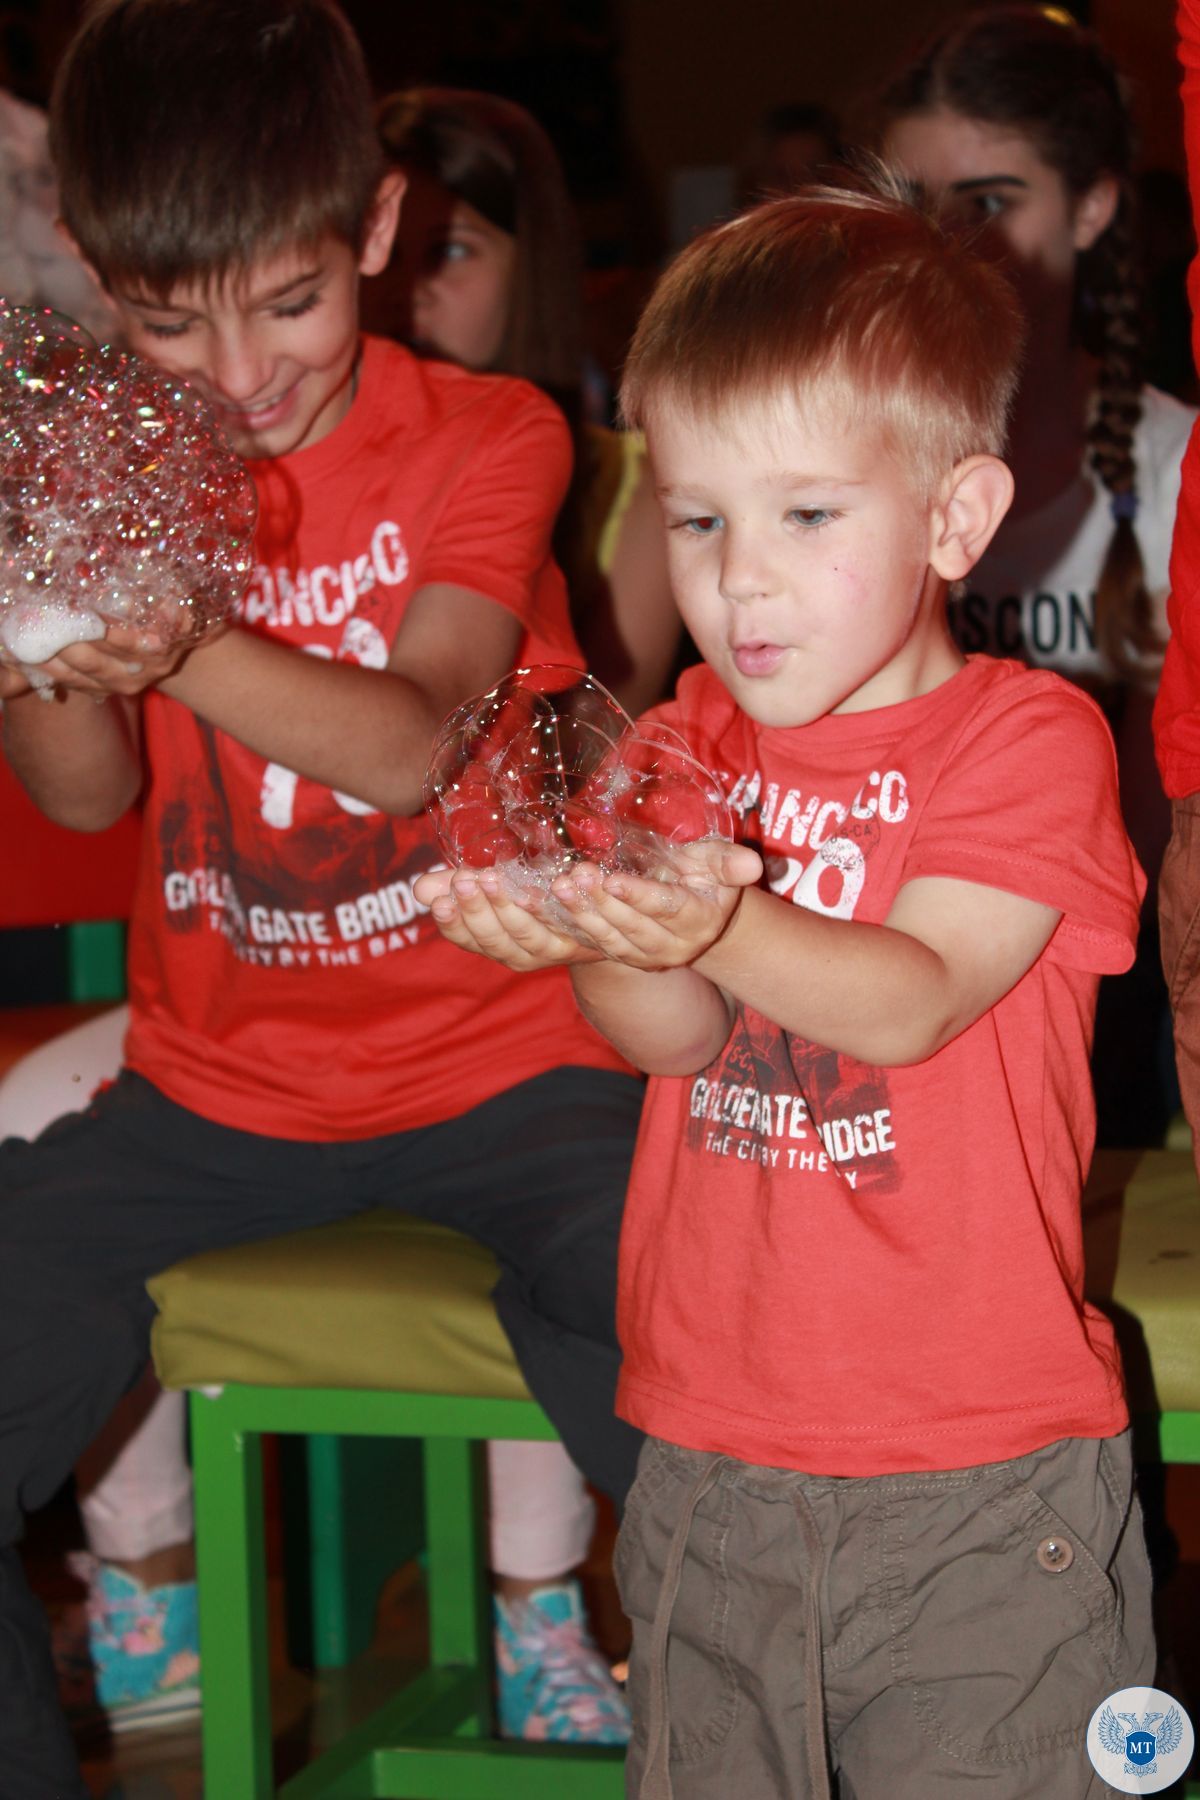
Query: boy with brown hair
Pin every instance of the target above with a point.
(303, 1044)
(885, 1520)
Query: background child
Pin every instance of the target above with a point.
(487, 270)
(886, 1511)
(1018, 123)
(290, 1057)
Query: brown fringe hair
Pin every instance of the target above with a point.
(194, 137)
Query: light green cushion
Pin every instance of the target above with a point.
(1142, 1237)
(380, 1301)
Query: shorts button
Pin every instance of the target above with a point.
(1055, 1554)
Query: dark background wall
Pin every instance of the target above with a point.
(686, 79)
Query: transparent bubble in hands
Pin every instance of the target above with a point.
(121, 501)
(547, 770)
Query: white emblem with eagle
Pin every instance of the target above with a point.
(1140, 1740)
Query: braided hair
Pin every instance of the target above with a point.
(1034, 70)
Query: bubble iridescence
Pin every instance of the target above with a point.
(120, 499)
(546, 770)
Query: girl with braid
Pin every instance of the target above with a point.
(1017, 122)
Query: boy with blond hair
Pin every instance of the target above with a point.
(885, 1521)
(302, 1043)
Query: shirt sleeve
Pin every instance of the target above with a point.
(494, 531)
(1028, 802)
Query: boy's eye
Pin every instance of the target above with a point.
(296, 309)
(173, 330)
(702, 526)
(811, 517)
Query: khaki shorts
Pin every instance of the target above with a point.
(969, 1622)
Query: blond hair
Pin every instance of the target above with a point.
(854, 299)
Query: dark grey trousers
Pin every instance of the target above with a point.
(107, 1197)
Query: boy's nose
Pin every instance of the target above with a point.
(744, 573)
(238, 370)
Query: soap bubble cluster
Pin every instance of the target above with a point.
(120, 500)
(546, 770)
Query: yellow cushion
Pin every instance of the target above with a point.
(380, 1301)
(385, 1301)
(1142, 1237)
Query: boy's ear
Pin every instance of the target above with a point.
(381, 225)
(963, 521)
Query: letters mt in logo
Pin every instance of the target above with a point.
(1139, 1745)
(1140, 1740)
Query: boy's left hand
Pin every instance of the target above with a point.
(649, 924)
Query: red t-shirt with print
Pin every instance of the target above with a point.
(855, 1270)
(283, 978)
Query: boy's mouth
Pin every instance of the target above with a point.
(758, 658)
(259, 417)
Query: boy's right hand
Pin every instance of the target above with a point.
(126, 660)
(473, 909)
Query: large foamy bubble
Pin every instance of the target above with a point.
(546, 770)
(120, 499)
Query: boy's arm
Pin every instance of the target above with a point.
(78, 755)
(79, 761)
(366, 732)
(885, 994)
(668, 964)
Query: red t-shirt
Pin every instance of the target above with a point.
(855, 1270)
(283, 978)
(1177, 708)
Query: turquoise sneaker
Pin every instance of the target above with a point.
(552, 1682)
(139, 1662)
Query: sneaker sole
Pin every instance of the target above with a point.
(159, 1709)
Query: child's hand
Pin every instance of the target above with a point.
(126, 660)
(474, 909)
(649, 924)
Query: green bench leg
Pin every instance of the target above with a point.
(231, 1560)
(459, 1597)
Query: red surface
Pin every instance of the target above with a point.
(51, 876)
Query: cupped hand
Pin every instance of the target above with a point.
(476, 910)
(649, 924)
(126, 660)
